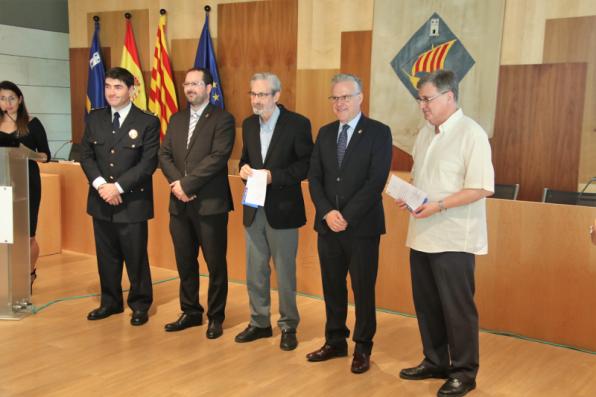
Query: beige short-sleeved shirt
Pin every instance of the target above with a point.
(458, 157)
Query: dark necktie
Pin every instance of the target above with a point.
(342, 143)
(116, 122)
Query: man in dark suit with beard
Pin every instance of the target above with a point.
(349, 167)
(119, 155)
(194, 158)
(279, 142)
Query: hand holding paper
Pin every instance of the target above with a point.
(256, 189)
(408, 193)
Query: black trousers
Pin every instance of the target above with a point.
(443, 287)
(116, 243)
(189, 232)
(340, 253)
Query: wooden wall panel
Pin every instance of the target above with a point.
(259, 36)
(79, 70)
(572, 40)
(312, 89)
(401, 161)
(356, 48)
(538, 127)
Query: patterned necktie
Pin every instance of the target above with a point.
(194, 118)
(342, 143)
(116, 122)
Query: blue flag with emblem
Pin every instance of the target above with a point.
(205, 58)
(95, 82)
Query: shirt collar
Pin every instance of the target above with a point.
(122, 112)
(448, 124)
(269, 125)
(197, 113)
(352, 123)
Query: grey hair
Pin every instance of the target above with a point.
(445, 80)
(338, 78)
(272, 78)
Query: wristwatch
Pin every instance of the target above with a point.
(442, 207)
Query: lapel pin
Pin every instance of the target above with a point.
(360, 131)
(206, 115)
(133, 134)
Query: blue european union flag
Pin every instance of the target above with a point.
(95, 82)
(206, 59)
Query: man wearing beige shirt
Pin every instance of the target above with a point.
(452, 164)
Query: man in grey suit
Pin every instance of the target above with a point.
(279, 142)
(194, 158)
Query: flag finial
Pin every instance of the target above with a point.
(95, 18)
(207, 8)
(128, 15)
(162, 11)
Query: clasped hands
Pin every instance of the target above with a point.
(110, 194)
(336, 221)
(177, 191)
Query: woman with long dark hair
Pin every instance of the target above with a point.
(15, 128)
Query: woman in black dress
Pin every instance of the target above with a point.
(16, 128)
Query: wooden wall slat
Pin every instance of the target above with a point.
(538, 127)
(572, 40)
(401, 161)
(256, 37)
(356, 50)
(312, 89)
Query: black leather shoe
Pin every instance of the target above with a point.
(102, 312)
(253, 333)
(185, 321)
(422, 371)
(360, 363)
(326, 352)
(456, 388)
(215, 330)
(288, 339)
(139, 317)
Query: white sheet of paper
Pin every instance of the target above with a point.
(256, 188)
(408, 193)
(6, 235)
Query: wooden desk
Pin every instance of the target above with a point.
(538, 280)
(49, 224)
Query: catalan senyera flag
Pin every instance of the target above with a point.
(130, 61)
(162, 95)
(95, 81)
(205, 58)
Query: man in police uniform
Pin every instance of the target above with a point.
(119, 155)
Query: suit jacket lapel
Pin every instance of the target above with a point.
(254, 140)
(197, 131)
(281, 121)
(356, 136)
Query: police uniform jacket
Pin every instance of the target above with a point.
(127, 156)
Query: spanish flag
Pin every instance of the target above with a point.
(162, 95)
(130, 61)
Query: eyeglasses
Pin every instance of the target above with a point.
(8, 98)
(259, 95)
(429, 99)
(193, 84)
(343, 98)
